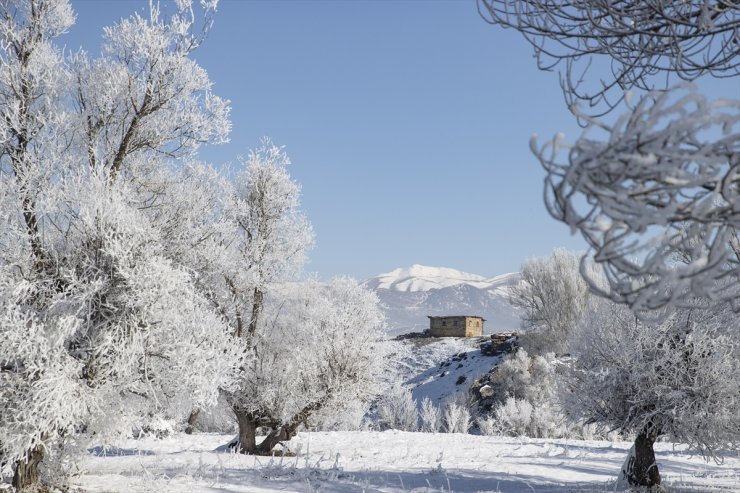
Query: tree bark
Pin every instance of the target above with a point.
(257, 301)
(288, 430)
(280, 434)
(192, 420)
(247, 431)
(27, 469)
(641, 468)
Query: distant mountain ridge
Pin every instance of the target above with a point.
(409, 295)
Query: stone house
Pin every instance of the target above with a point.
(456, 326)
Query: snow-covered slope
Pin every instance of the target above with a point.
(410, 295)
(439, 368)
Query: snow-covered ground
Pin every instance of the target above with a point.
(394, 461)
(390, 461)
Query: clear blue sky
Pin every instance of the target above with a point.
(408, 123)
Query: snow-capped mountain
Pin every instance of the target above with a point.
(409, 295)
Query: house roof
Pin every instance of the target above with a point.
(456, 316)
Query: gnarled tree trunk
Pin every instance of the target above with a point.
(247, 431)
(288, 430)
(27, 469)
(640, 469)
(280, 434)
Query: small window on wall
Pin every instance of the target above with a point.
(444, 323)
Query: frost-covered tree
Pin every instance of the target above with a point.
(655, 196)
(679, 378)
(273, 233)
(663, 178)
(145, 98)
(99, 323)
(317, 351)
(551, 295)
(309, 349)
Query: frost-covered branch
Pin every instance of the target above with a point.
(632, 41)
(656, 197)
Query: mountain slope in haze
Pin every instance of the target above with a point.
(410, 295)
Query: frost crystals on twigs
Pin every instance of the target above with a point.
(657, 199)
(687, 38)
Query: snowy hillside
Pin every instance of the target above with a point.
(439, 368)
(410, 295)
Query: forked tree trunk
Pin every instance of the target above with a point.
(27, 469)
(640, 469)
(192, 420)
(288, 430)
(281, 434)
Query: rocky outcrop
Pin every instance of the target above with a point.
(500, 344)
(482, 390)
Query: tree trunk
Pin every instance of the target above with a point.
(288, 430)
(27, 469)
(247, 431)
(280, 434)
(640, 468)
(192, 420)
(257, 301)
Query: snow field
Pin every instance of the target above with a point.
(391, 461)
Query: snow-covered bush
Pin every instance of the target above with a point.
(350, 416)
(431, 416)
(456, 414)
(487, 425)
(397, 409)
(525, 377)
(514, 416)
(524, 390)
(158, 427)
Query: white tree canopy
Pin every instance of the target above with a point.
(101, 321)
(680, 378)
(552, 295)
